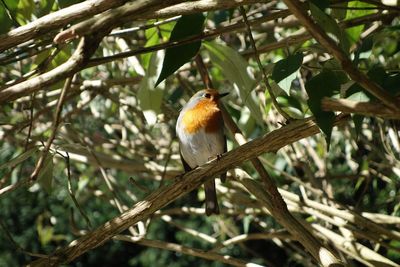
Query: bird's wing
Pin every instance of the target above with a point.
(184, 163)
(223, 175)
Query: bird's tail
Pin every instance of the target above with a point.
(211, 198)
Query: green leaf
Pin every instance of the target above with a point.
(389, 82)
(25, 10)
(246, 121)
(289, 101)
(330, 26)
(336, 69)
(235, 69)
(358, 119)
(291, 106)
(46, 235)
(246, 223)
(340, 12)
(149, 96)
(354, 33)
(286, 83)
(268, 102)
(220, 16)
(153, 35)
(175, 57)
(392, 253)
(45, 7)
(6, 21)
(20, 158)
(324, 20)
(152, 39)
(45, 178)
(11, 4)
(359, 97)
(66, 3)
(285, 67)
(325, 84)
(359, 9)
(45, 232)
(321, 4)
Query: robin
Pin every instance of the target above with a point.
(200, 130)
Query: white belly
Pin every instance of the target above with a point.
(201, 147)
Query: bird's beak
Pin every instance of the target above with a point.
(222, 95)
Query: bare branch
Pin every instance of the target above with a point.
(56, 123)
(54, 21)
(363, 108)
(355, 249)
(109, 19)
(189, 181)
(187, 250)
(85, 49)
(271, 197)
(323, 38)
(262, 69)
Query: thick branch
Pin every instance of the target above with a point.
(322, 254)
(362, 108)
(145, 9)
(191, 7)
(110, 19)
(53, 76)
(188, 251)
(87, 46)
(267, 192)
(54, 21)
(211, 33)
(270, 142)
(362, 253)
(80, 154)
(56, 124)
(322, 37)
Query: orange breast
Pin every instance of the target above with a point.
(205, 114)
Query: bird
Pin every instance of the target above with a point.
(200, 130)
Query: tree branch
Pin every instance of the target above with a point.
(56, 123)
(54, 21)
(63, 70)
(270, 142)
(110, 18)
(262, 69)
(270, 195)
(87, 46)
(362, 108)
(362, 253)
(213, 256)
(347, 65)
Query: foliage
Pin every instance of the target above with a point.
(115, 143)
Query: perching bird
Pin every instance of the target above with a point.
(200, 130)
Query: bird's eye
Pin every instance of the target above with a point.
(207, 95)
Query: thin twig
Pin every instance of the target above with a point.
(16, 245)
(363, 108)
(164, 172)
(10, 14)
(260, 66)
(56, 123)
(30, 122)
(188, 251)
(323, 38)
(274, 201)
(161, 197)
(201, 67)
(72, 194)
